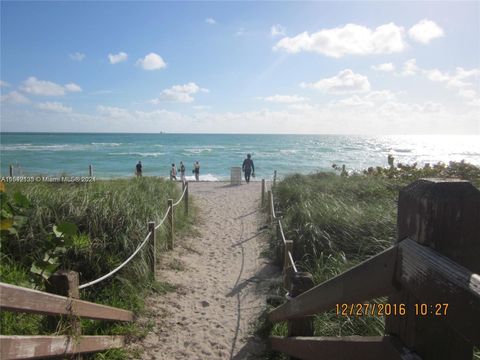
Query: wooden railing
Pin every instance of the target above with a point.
(431, 278)
(19, 299)
(63, 298)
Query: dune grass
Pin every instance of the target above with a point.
(338, 221)
(111, 217)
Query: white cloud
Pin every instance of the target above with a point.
(113, 112)
(47, 88)
(240, 32)
(424, 31)
(369, 100)
(210, 21)
(409, 68)
(346, 81)
(77, 56)
(386, 67)
(350, 39)
(202, 107)
(286, 99)
(179, 93)
(73, 87)
(152, 61)
(4, 84)
(277, 30)
(117, 58)
(15, 97)
(54, 107)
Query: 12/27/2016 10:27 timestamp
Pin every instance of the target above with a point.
(388, 309)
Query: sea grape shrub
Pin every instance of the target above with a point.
(461, 170)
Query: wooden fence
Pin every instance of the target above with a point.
(431, 277)
(63, 298)
(19, 299)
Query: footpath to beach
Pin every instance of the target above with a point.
(221, 279)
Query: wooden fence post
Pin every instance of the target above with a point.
(185, 185)
(274, 178)
(152, 247)
(263, 192)
(65, 283)
(10, 168)
(90, 170)
(443, 215)
(301, 282)
(171, 224)
(287, 280)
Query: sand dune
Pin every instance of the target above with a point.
(222, 280)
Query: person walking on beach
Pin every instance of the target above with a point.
(248, 168)
(139, 169)
(196, 170)
(173, 172)
(182, 171)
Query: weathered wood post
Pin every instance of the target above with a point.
(10, 170)
(274, 177)
(152, 247)
(443, 215)
(65, 283)
(90, 170)
(171, 224)
(287, 280)
(263, 192)
(301, 282)
(185, 185)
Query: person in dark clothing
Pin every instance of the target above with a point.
(139, 169)
(182, 171)
(248, 168)
(196, 170)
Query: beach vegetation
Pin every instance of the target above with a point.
(89, 228)
(337, 222)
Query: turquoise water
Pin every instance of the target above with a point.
(115, 155)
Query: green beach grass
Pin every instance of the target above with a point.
(338, 221)
(111, 219)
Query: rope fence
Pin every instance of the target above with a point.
(291, 275)
(151, 236)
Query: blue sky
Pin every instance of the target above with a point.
(241, 67)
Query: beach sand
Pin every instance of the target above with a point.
(221, 280)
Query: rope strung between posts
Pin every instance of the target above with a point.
(280, 227)
(118, 268)
(106, 276)
(164, 217)
(292, 262)
(181, 197)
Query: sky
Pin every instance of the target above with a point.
(241, 67)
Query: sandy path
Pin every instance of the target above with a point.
(223, 283)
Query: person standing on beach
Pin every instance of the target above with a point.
(248, 168)
(139, 169)
(182, 171)
(173, 172)
(196, 170)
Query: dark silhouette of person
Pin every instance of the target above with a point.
(196, 170)
(248, 168)
(139, 169)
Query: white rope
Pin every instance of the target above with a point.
(136, 251)
(118, 268)
(281, 231)
(292, 262)
(181, 197)
(163, 220)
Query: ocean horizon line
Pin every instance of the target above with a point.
(225, 133)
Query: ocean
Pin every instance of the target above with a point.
(115, 155)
